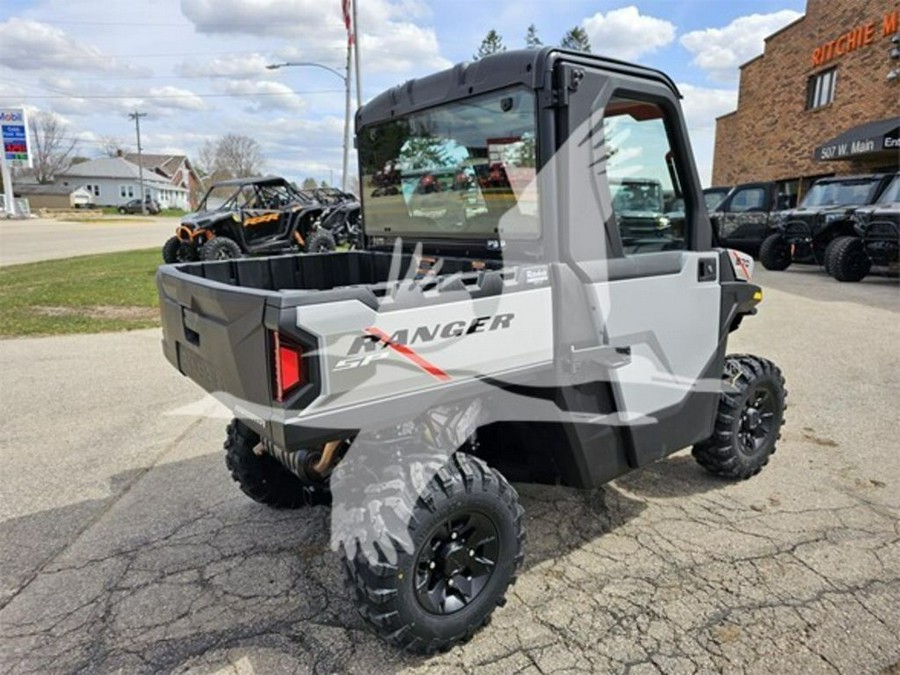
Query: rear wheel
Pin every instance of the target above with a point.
(748, 424)
(464, 532)
(262, 477)
(774, 253)
(220, 248)
(320, 241)
(849, 260)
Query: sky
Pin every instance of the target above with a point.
(197, 67)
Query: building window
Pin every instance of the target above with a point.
(126, 191)
(820, 89)
(93, 189)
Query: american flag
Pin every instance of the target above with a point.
(345, 6)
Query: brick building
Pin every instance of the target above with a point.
(823, 99)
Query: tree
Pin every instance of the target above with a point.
(239, 155)
(324, 184)
(309, 183)
(51, 151)
(532, 41)
(576, 39)
(113, 146)
(492, 44)
(231, 156)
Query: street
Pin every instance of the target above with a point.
(126, 546)
(23, 241)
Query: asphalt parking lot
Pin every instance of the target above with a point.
(125, 546)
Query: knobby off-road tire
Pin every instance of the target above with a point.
(320, 241)
(774, 253)
(175, 251)
(849, 260)
(467, 534)
(220, 248)
(263, 478)
(828, 256)
(748, 423)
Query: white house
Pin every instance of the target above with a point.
(113, 181)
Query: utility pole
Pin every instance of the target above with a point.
(136, 116)
(344, 184)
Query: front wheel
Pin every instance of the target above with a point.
(464, 532)
(849, 261)
(220, 248)
(774, 253)
(748, 423)
(123, 210)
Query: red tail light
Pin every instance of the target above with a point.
(288, 358)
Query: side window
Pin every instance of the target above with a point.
(749, 199)
(647, 203)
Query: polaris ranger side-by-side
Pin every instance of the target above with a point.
(497, 325)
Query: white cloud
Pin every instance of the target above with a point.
(626, 33)
(263, 95)
(31, 45)
(317, 32)
(238, 66)
(176, 98)
(720, 51)
(701, 107)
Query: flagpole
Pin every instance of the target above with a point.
(356, 53)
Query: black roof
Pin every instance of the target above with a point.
(253, 180)
(523, 66)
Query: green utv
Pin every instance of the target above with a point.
(496, 325)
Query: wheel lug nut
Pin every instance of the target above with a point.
(471, 552)
(453, 536)
(449, 582)
(431, 565)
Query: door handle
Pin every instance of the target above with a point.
(707, 269)
(604, 355)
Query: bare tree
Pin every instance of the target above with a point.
(113, 146)
(206, 158)
(51, 150)
(238, 155)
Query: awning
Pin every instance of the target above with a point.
(865, 139)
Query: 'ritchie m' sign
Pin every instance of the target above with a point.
(855, 38)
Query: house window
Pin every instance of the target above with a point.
(820, 89)
(93, 189)
(126, 191)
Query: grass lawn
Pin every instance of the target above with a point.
(88, 294)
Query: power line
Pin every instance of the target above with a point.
(168, 96)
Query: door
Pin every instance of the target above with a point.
(655, 293)
(745, 220)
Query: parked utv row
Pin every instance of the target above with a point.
(264, 216)
(847, 224)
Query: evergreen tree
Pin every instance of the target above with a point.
(576, 39)
(532, 41)
(309, 183)
(492, 44)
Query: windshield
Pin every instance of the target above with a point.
(454, 170)
(637, 195)
(891, 193)
(840, 193)
(713, 199)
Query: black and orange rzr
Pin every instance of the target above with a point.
(250, 216)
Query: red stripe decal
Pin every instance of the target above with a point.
(737, 258)
(410, 355)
